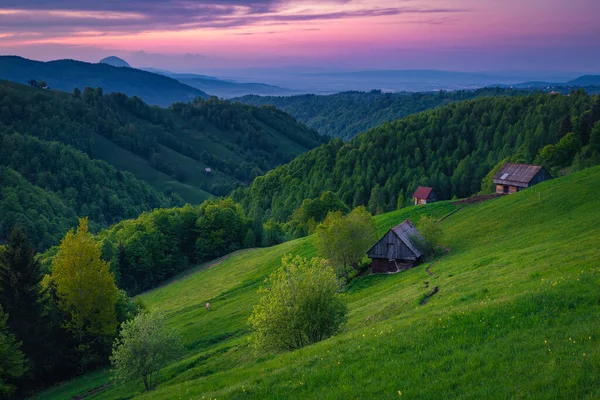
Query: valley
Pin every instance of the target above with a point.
(516, 309)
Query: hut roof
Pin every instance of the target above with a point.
(516, 174)
(405, 232)
(422, 192)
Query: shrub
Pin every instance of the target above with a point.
(431, 233)
(302, 306)
(144, 346)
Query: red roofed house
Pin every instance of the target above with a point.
(424, 195)
(515, 177)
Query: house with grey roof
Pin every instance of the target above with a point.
(512, 178)
(397, 250)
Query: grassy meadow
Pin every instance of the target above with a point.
(516, 316)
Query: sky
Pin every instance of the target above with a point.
(207, 35)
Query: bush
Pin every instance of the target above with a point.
(302, 306)
(431, 233)
(144, 347)
(344, 240)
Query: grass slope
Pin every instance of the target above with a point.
(125, 160)
(516, 315)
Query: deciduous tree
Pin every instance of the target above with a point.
(85, 285)
(145, 345)
(344, 239)
(302, 306)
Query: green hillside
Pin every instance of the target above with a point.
(169, 148)
(450, 148)
(515, 317)
(67, 75)
(347, 114)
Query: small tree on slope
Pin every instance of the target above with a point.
(302, 306)
(144, 346)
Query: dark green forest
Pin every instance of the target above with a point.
(111, 157)
(49, 178)
(451, 148)
(347, 114)
(47, 184)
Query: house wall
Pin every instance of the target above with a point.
(382, 266)
(391, 247)
(513, 189)
(499, 188)
(541, 176)
(379, 265)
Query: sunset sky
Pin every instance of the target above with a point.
(469, 35)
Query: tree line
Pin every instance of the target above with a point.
(451, 148)
(347, 114)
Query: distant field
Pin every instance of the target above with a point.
(516, 315)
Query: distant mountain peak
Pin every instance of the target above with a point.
(115, 62)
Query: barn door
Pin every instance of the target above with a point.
(390, 250)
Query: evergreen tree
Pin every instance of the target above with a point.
(11, 359)
(21, 294)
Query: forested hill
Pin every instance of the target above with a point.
(451, 148)
(109, 156)
(349, 113)
(67, 75)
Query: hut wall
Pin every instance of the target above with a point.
(541, 176)
(379, 265)
(513, 189)
(499, 188)
(391, 247)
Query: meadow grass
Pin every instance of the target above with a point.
(127, 161)
(516, 315)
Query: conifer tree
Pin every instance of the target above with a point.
(11, 359)
(21, 293)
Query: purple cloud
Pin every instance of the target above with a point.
(68, 16)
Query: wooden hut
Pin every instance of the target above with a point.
(424, 195)
(396, 250)
(512, 178)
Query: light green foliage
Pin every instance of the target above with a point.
(301, 306)
(431, 233)
(313, 211)
(144, 346)
(11, 359)
(561, 154)
(85, 285)
(344, 239)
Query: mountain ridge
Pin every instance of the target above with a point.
(67, 75)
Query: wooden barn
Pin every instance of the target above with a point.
(424, 195)
(512, 178)
(395, 251)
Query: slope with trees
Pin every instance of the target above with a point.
(451, 148)
(236, 142)
(516, 314)
(349, 113)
